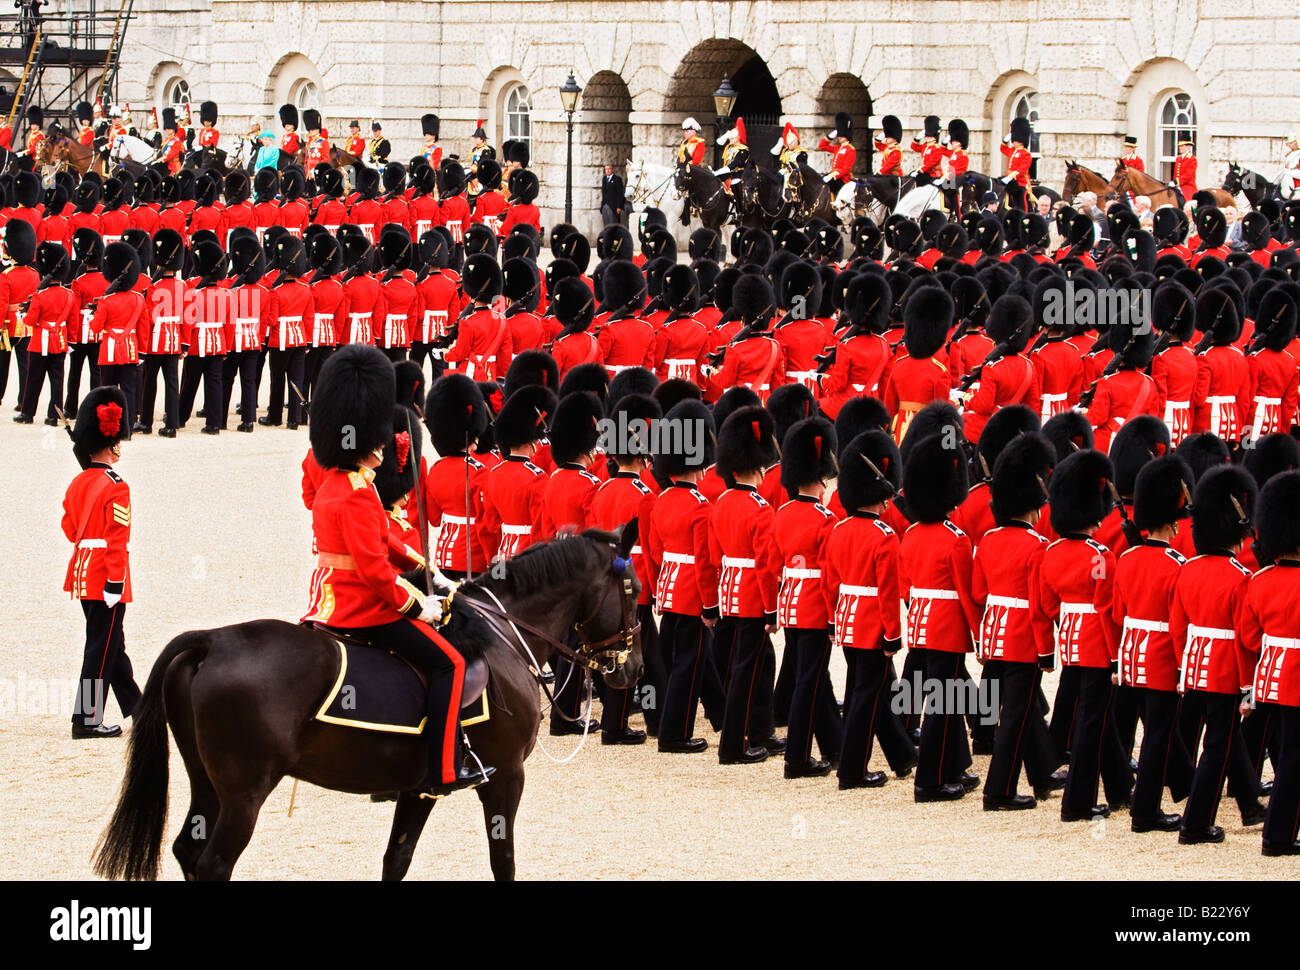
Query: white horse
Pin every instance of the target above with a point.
(134, 149)
(918, 200)
(647, 183)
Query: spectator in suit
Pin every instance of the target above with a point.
(613, 204)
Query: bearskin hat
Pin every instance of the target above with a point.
(409, 376)
(634, 415)
(1275, 323)
(1255, 230)
(615, 242)
(575, 428)
(120, 265)
(870, 470)
(352, 406)
(951, 240)
(927, 317)
(102, 421)
(87, 195)
(591, 377)
(208, 112)
(623, 287)
(681, 290)
(675, 389)
(934, 478)
(289, 115)
(751, 246)
(1173, 310)
(455, 414)
(733, 399)
(931, 221)
(1068, 432)
(1003, 427)
(28, 190)
(572, 303)
(1278, 524)
(859, 414)
(746, 442)
(520, 284)
(788, 405)
(868, 301)
(325, 255)
(807, 454)
(1202, 451)
(1211, 226)
(1162, 493)
(659, 242)
(1217, 315)
(575, 248)
(679, 460)
(633, 380)
(1137, 442)
(20, 242)
(237, 187)
(705, 243)
(531, 367)
(800, 282)
(209, 260)
(1273, 454)
(1021, 131)
(525, 417)
(752, 298)
(891, 127)
(1079, 492)
(1020, 475)
(168, 250)
(514, 150)
(1010, 323)
(397, 474)
(1222, 506)
(481, 278)
(52, 262)
(959, 132)
(523, 186)
(937, 417)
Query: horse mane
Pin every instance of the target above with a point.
(546, 563)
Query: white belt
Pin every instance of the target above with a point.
(93, 544)
(1150, 626)
(616, 368)
(1077, 609)
(636, 550)
(1268, 400)
(157, 329)
(1178, 405)
(108, 240)
(514, 530)
(457, 520)
(1008, 601)
(1210, 633)
(801, 375)
(1285, 643)
(282, 321)
(320, 318)
(730, 562)
(1222, 399)
(240, 322)
(684, 558)
(847, 590)
(1054, 397)
(791, 573)
(356, 318)
(917, 593)
(389, 320)
(679, 362)
(859, 387)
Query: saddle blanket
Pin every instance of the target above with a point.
(376, 690)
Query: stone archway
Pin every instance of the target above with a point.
(846, 92)
(603, 136)
(690, 92)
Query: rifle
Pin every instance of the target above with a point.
(996, 354)
(1116, 360)
(754, 329)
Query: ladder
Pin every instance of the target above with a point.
(114, 49)
(31, 69)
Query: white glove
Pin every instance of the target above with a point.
(1006, 139)
(944, 139)
(1173, 185)
(1006, 179)
(828, 178)
(112, 599)
(431, 612)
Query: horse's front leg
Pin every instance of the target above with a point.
(409, 817)
(500, 798)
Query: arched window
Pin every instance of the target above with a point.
(305, 94)
(176, 92)
(517, 124)
(1177, 123)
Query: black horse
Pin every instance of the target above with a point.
(703, 194)
(1254, 186)
(242, 703)
(766, 198)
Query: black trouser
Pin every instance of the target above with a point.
(1126, 706)
(208, 371)
(945, 751)
(654, 678)
(1163, 757)
(616, 704)
(438, 366)
(291, 363)
(1259, 733)
(1064, 707)
(20, 352)
(813, 712)
(1021, 733)
(913, 669)
(784, 689)
(39, 367)
(167, 365)
(867, 714)
(316, 357)
(682, 643)
(1223, 756)
(77, 353)
(104, 664)
(418, 643)
(569, 693)
(1095, 752)
(981, 728)
(395, 353)
(1016, 196)
(752, 667)
(1284, 804)
(713, 696)
(245, 364)
(126, 377)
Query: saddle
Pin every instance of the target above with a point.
(377, 690)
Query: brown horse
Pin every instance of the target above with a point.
(59, 151)
(241, 701)
(1079, 178)
(1129, 180)
(341, 159)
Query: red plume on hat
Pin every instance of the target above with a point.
(402, 441)
(110, 418)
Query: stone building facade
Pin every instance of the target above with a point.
(1223, 69)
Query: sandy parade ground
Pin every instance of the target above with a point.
(220, 536)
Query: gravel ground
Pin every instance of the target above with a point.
(220, 536)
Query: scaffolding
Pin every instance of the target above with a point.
(60, 59)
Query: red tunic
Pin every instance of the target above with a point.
(329, 316)
(330, 214)
(914, 383)
(441, 303)
(396, 210)
(97, 521)
(966, 353)
(742, 546)
(1222, 401)
(210, 309)
(167, 327)
(489, 209)
(249, 317)
(1144, 591)
(1008, 380)
(680, 568)
(932, 155)
(1060, 376)
(1174, 371)
(1273, 380)
(1269, 628)
(618, 501)
(454, 214)
(312, 475)
(365, 309)
(354, 584)
(624, 343)
(512, 506)
(803, 527)
(292, 316)
(424, 214)
(449, 483)
(402, 313)
(935, 576)
(53, 312)
(845, 155)
(1004, 579)
(403, 540)
(678, 349)
(482, 349)
(566, 500)
(1203, 621)
(891, 158)
(975, 515)
(573, 349)
(860, 573)
(1018, 162)
(1185, 175)
(117, 319)
(1076, 591)
(802, 341)
(1120, 398)
(758, 363)
(142, 217)
(368, 215)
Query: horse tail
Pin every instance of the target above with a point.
(130, 847)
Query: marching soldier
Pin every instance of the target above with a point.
(1127, 391)
(292, 315)
(513, 489)
(429, 127)
(891, 154)
(402, 310)
(490, 206)
(290, 141)
(1131, 158)
(169, 331)
(88, 284)
(1007, 375)
(523, 193)
(329, 305)
(482, 348)
(862, 356)
(52, 313)
(626, 339)
(1222, 397)
(454, 211)
(754, 357)
(1184, 180)
(840, 143)
(1273, 374)
(17, 284)
(574, 306)
(439, 296)
(117, 317)
(735, 154)
(1015, 146)
(920, 377)
(691, 149)
(457, 418)
(97, 521)
(248, 320)
(932, 153)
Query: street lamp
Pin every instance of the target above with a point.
(569, 92)
(724, 99)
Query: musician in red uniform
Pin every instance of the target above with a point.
(920, 377)
(626, 339)
(802, 527)
(742, 546)
(1131, 158)
(1144, 591)
(1174, 366)
(1269, 632)
(97, 521)
(1206, 609)
(51, 314)
(1007, 376)
(1273, 374)
(354, 586)
(843, 155)
(754, 358)
(891, 153)
(1076, 591)
(1015, 147)
(1015, 643)
(1221, 400)
(164, 333)
(1184, 180)
(932, 153)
